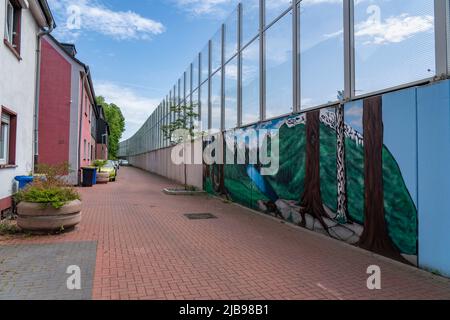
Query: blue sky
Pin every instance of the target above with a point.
(137, 49)
(136, 64)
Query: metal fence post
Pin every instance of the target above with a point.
(441, 32)
(349, 50)
(239, 62)
(262, 62)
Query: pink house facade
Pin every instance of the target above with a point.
(68, 113)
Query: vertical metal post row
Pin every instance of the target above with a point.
(262, 62)
(179, 98)
(174, 103)
(190, 93)
(239, 62)
(222, 87)
(184, 97)
(200, 116)
(199, 79)
(441, 26)
(209, 84)
(349, 50)
(295, 59)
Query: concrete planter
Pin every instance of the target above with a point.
(36, 217)
(182, 192)
(102, 177)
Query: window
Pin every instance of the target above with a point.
(394, 43)
(321, 52)
(12, 28)
(7, 137)
(4, 139)
(279, 96)
(250, 84)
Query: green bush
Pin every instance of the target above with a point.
(56, 196)
(50, 189)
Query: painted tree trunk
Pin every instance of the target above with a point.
(375, 236)
(311, 201)
(218, 172)
(340, 167)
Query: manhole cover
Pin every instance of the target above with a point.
(200, 216)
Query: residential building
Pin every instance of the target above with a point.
(102, 137)
(22, 22)
(67, 109)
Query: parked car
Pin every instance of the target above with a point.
(110, 167)
(124, 163)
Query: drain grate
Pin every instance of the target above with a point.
(200, 216)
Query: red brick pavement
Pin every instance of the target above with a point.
(147, 249)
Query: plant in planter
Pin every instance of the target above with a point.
(183, 131)
(102, 177)
(48, 203)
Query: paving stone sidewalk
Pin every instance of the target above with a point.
(146, 248)
(39, 272)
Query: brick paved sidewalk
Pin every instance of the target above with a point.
(148, 249)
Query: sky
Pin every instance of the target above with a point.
(137, 49)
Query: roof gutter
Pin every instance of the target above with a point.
(46, 29)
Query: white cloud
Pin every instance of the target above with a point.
(215, 8)
(75, 16)
(393, 29)
(135, 108)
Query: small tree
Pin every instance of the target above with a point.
(100, 164)
(185, 122)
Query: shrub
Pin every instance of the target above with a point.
(50, 188)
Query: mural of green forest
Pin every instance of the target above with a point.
(305, 191)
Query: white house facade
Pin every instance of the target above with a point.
(22, 23)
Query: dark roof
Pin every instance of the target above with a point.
(70, 48)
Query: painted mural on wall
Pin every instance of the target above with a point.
(336, 177)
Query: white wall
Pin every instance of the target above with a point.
(159, 162)
(17, 93)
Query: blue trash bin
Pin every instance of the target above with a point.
(23, 181)
(89, 176)
(94, 179)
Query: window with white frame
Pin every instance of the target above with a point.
(12, 21)
(4, 139)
